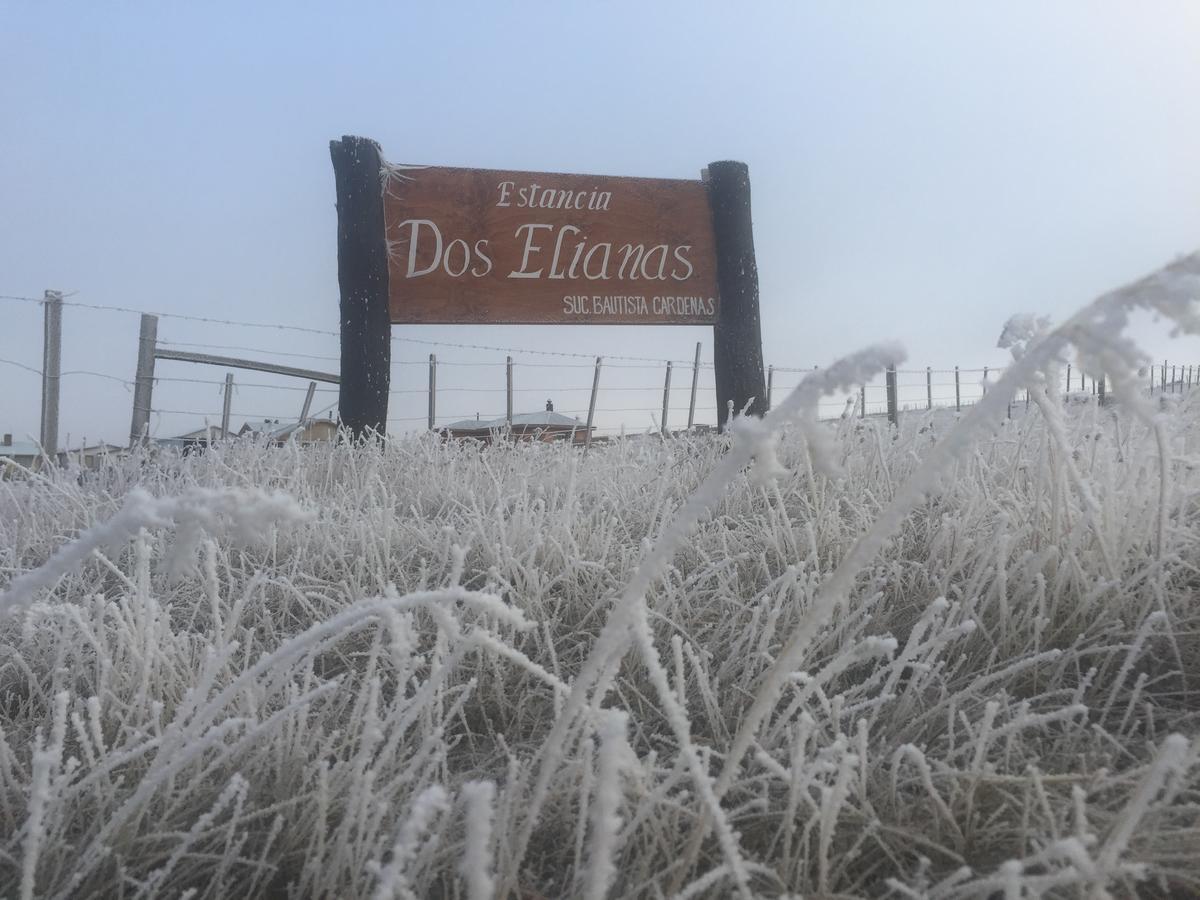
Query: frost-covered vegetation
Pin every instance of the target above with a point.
(957, 659)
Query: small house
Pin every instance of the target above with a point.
(546, 426)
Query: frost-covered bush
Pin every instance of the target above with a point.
(957, 659)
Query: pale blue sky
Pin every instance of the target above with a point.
(920, 170)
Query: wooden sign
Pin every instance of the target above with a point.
(482, 246)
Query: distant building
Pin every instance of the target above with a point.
(22, 453)
(95, 456)
(309, 432)
(544, 426)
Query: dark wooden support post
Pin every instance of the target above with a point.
(737, 334)
(366, 350)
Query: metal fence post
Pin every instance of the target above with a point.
(226, 404)
(928, 388)
(143, 384)
(587, 438)
(893, 406)
(695, 384)
(508, 403)
(51, 372)
(957, 392)
(432, 390)
(666, 400)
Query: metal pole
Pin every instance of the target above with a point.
(928, 388)
(695, 384)
(666, 400)
(508, 392)
(893, 407)
(587, 438)
(143, 383)
(226, 404)
(957, 392)
(432, 390)
(770, 385)
(51, 372)
(308, 399)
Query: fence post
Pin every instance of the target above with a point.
(1172, 379)
(226, 404)
(957, 392)
(508, 372)
(1069, 380)
(770, 385)
(308, 399)
(695, 384)
(666, 400)
(1102, 388)
(587, 438)
(893, 406)
(432, 390)
(1082, 380)
(1152, 379)
(985, 374)
(143, 381)
(51, 372)
(862, 402)
(1163, 386)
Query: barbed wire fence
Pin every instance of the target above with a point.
(608, 395)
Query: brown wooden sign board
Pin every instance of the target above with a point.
(485, 246)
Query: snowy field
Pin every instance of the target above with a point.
(366, 689)
(957, 659)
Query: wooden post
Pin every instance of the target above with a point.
(862, 402)
(308, 399)
(666, 401)
(695, 384)
(1163, 389)
(893, 404)
(1102, 390)
(928, 388)
(1173, 382)
(143, 380)
(770, 385)
(508, 380)
(226, 404)
(51, 372)
(587, 438)
(957, 392)
(985, 375)
(366, 341)
(737, 334)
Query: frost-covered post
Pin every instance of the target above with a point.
(143, 380)
(957, 392)
(226, 403)
(587, 438)
(508, 379)
(928, 388)
(893, 404)
(770, 384)
(666, 401)
(862, 401)
(432, 390)
(695, 384)
(366, 341)
(737, 334)
(51, 372)
(1101, 387)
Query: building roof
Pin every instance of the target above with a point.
(545, 419)
(20, 448)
